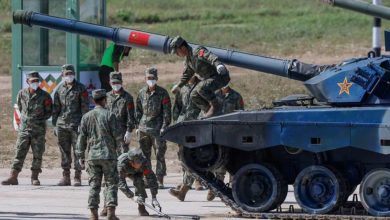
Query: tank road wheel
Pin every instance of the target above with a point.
(205, 158)
(258, 188)
(319, 189)
(375, 192)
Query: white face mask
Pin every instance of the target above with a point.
(34, 85)
(116, 87)
(69, 78)
(151, 83)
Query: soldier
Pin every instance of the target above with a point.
(112, 56)
(134, 165)
(35, 106)
(153, 115)
(70, 104)
(100, 136)
(183, 110)
(121, 104)
(208, 67)
(230, 101)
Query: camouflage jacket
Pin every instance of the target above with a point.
(231, 101)
(122, 106)
(200, 61)
(99, 135)
(70, 104)
(183, 108)
(153, 109)
(34, 109)
(124, 170)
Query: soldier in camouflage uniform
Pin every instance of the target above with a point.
(153, 115)
(70, 104)
(101, 138)
(212, 71)
(230, 101)
(35, 106)
(135, 166)
(183, 110)
(121, 104)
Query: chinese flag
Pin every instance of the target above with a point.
(139, 38)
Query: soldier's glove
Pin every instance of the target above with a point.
(130, 194)
(55, 131)
(156, 204)
(162, 130)
(139, 200)
(82, 164)
(221, 69)
(175, 89)
(127, 137)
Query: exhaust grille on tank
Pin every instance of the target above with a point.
(247, 139)
(315, 140)
(385, 142)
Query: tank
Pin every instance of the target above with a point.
(324, 144)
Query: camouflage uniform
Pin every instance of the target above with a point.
(122, 106)
(70, 104)
(125, 170)
(230, 101)
(184, 110)
(100, 136)
(153, 113)
(204, 63)
(35, 109)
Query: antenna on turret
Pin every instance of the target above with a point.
(376, 32)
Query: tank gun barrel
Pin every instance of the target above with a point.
(155, 42)
(362, 7)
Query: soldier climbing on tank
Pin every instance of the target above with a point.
(183, 110)
(153, 115)
(213, 72)
(35, 106)
(112, 56)
(135, 166)
(71, 102)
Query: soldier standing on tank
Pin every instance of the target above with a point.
(213, 72)
(135, 166)
(101, 138)
(121, 104)
(183, 110)
(153, 115)
(35, 106)
(71, 102)
(230, 101)
(112, 56)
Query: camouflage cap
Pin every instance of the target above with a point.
(67, 68)
(136, 155)
(33, 75)
(98, 93)
(151, 71)
(116, 77)
(176, 43)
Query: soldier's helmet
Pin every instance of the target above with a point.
(136, 155)
(98, 93)
(116, 77)
(68, 68)
(151, 71)
(33, 75)
(176, 43)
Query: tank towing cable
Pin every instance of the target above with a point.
(161, 214)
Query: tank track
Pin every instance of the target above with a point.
(353, 210)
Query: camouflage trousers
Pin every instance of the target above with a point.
(26, 138)
(96, 170)
(67, 139)
(146, 142)
(204, 92)
(188, 179)
(125, 147)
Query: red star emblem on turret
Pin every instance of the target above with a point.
(344, 86)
